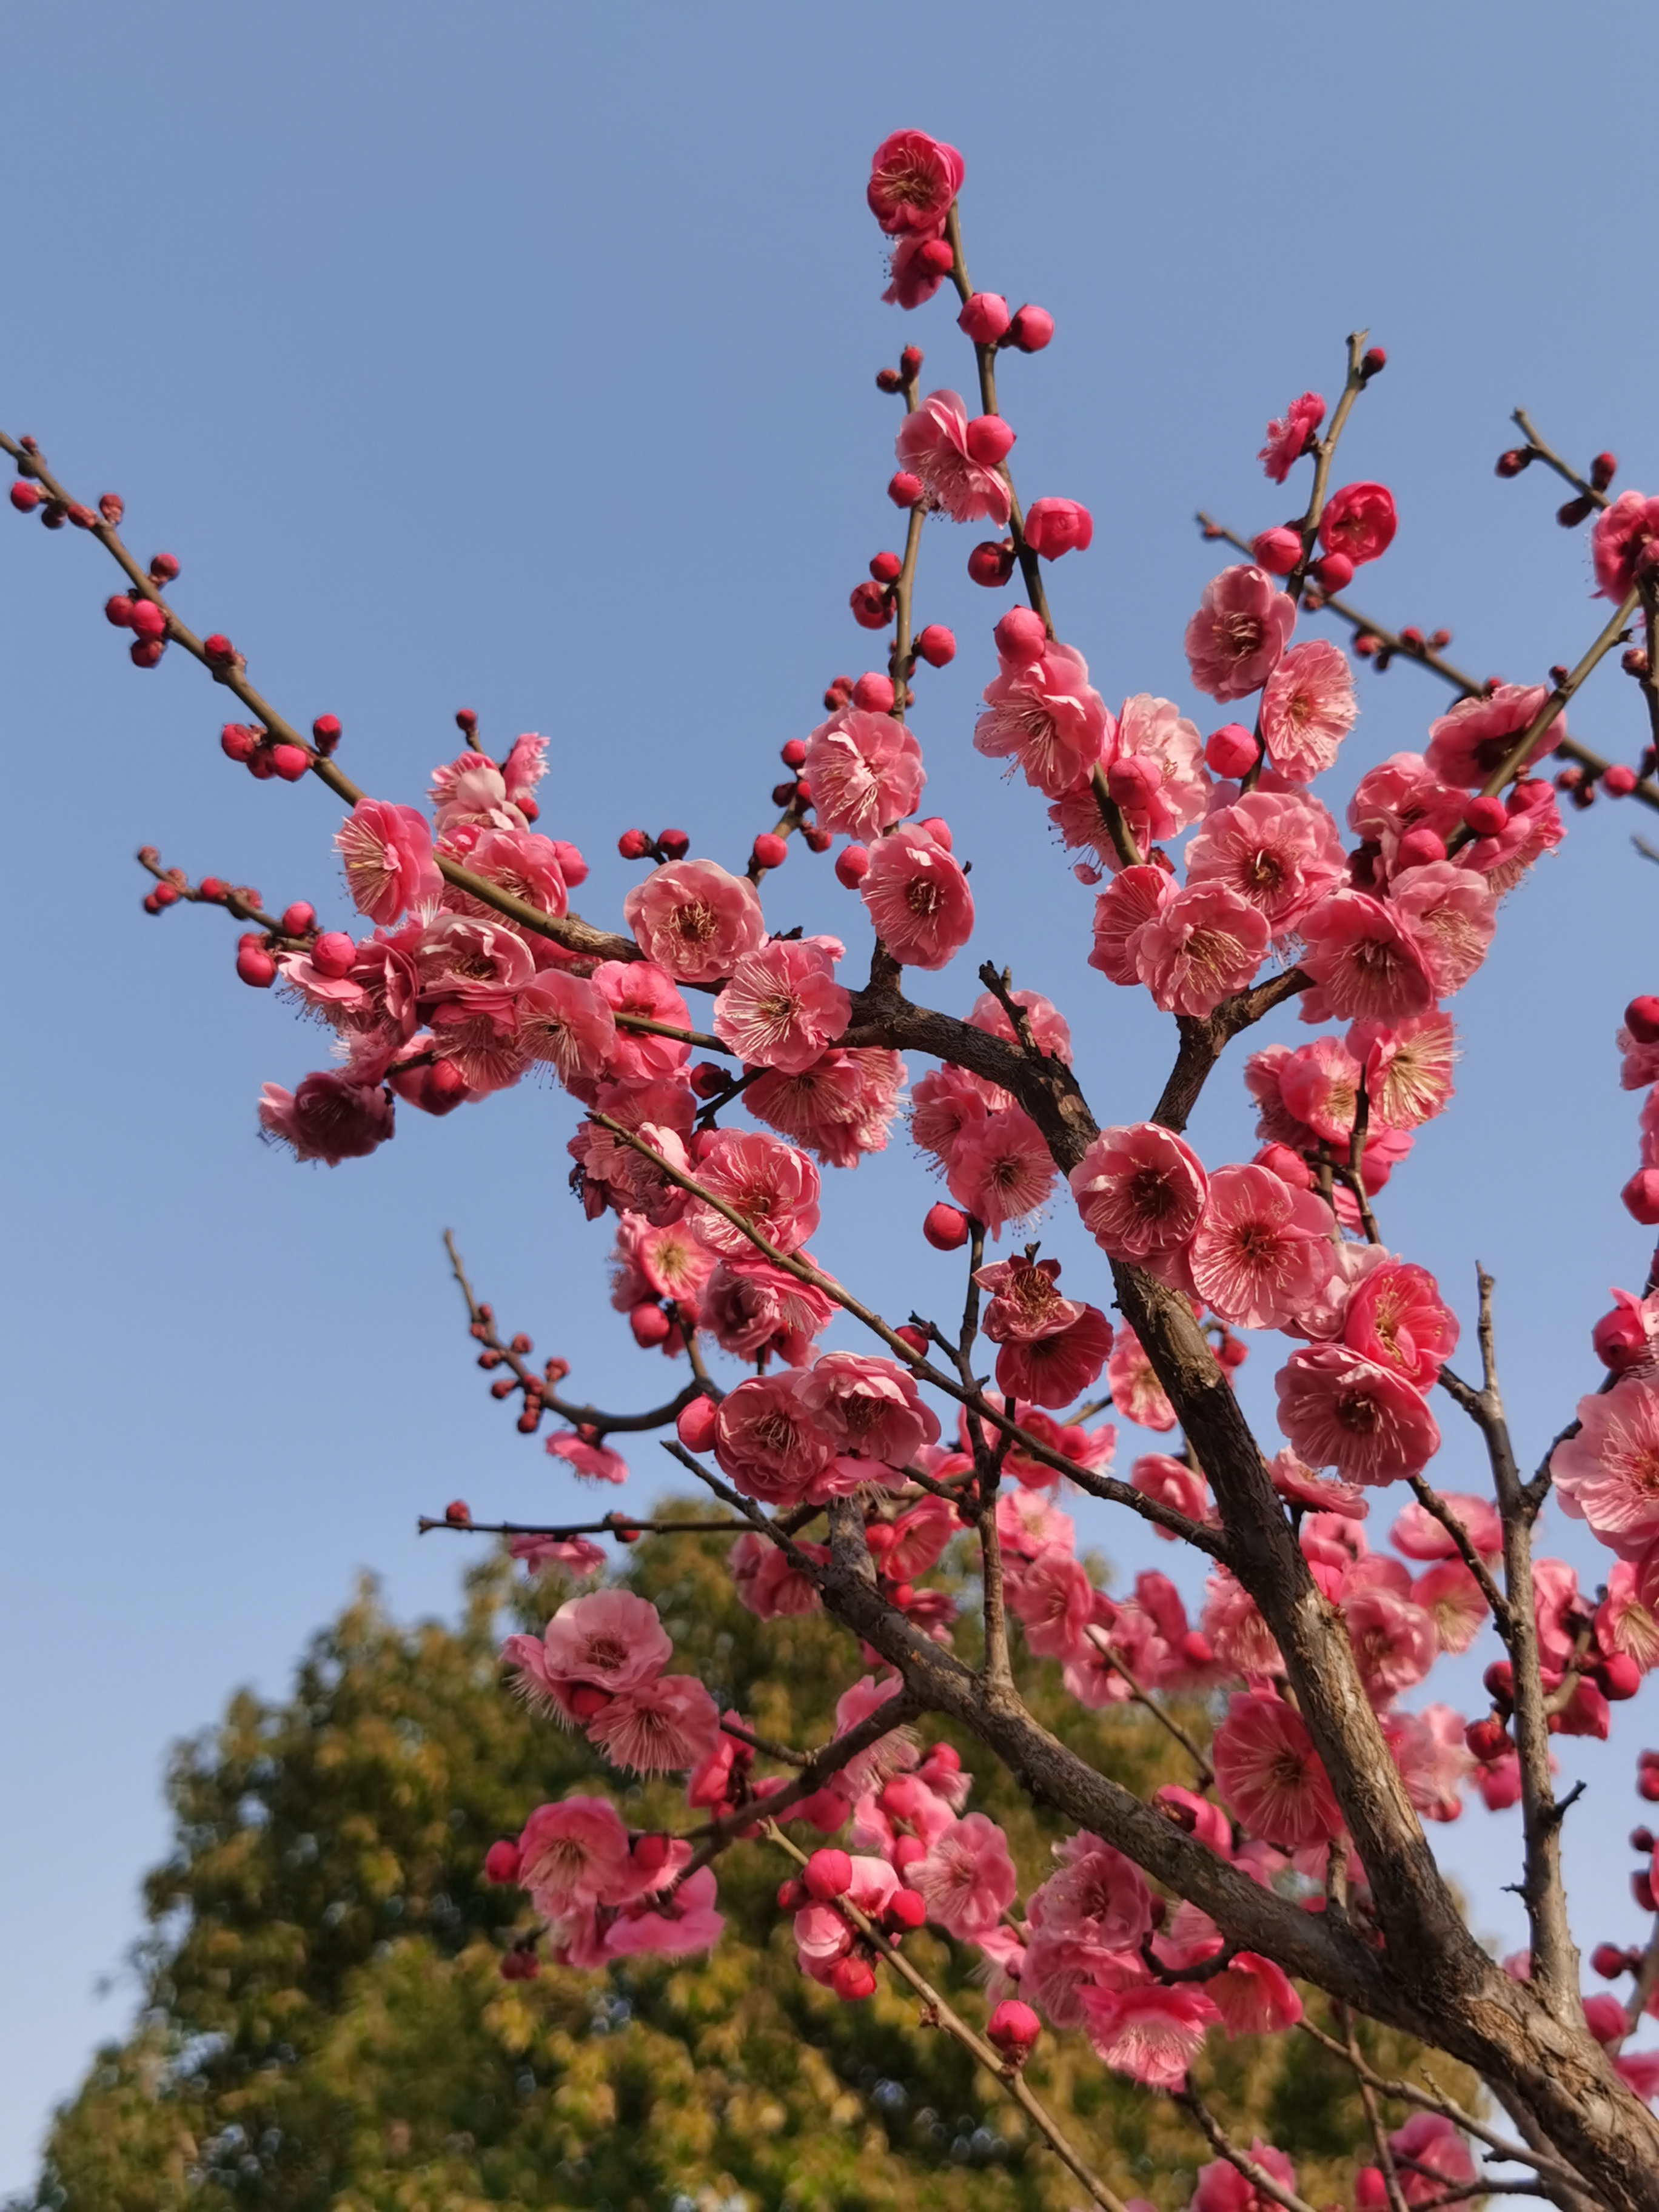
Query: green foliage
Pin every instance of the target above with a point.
(326, 2025)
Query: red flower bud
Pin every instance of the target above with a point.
(937, 256)
(1609, 1960)
(649, 1323)
(1574, 511)
(146, 620)
(818, 840)
(117, 611)
(1641, 1197)
(992, 562)
(889, 380)
(333, 953)
(54, 514)
(936, 645)
(793, 754)
(1372, 362)
(1277, 550)
(298, 918)
(1231, 750)
(325, 732)
(255, 966)
(112, 507)
(1289, 1166)
(1641, 1020)
(1511, 463)
(26, 497)
(769, 851)
(914, 1337)
(851, 866)
(501, 1861)
(1499, 1682)
(633, 844)
(1603, 469)
(164, 569)
(238, 743)
(905, 490)
(937, 829)
(695, 1425)
(853, 1979)
(984, 317)
(906, 1853)
(1641, 1889)
(1487, 816)
(910, 363)
(1021, 637)
(1333, 573)
(1618, 1678)
(459, 1513)
(874, 693)
(1419, 848)
(885, 568)
(871, 609)
(1014, 2029)
(146, 652)
(828, 1874)
(945, 1228)
(1487, 1739)
(1030, 329)
(519, 1966)
(1055, 526)
(218, 650)
(1133, 780)
(990, 439)
(1620, 780)
(290, 762)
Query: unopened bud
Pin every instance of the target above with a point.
(1333, 573)
(793, 754)
(1277, 550)
(905, 490)
(1014, 2028)
(1021, 637)
(501, 1859)
(255, 966)
(146, 620)
(164, 569)
(984, 317)
(937, 256)
(936, 645)
(26, 497)
(146, 652)
(769, 851)
(851, 866)
(333, 953)
(218, 650)
(992, 562)
(889, 380)
(874, 693)
(885, 568)
(1574, 512)
(1372, 362)
(945, 1228)
(1618, 780)
(694, 1424)
(633, 844)
(828, 1874)
(871, 607)
(990, 439)
(325, 732)
(117, 611)
(1511, 463)
(1030, 329)
(1603, 469)
(290, 762)
(1487, 816)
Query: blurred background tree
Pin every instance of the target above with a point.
(325, 2023)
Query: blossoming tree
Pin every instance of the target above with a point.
(1297, 1862)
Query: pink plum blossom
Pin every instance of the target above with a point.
(1367, 957)
(1054, 1601)
(1242, 625)
(1452, 912)
(1150, 2032)
(1408, 1065)
(863, 771)
(470, 792)
(1155, 732)
(869, 1406)
(695, 920)
(1269, 1772)
(1308, 708)
(1358, 520)
(1403, 793)
(329, 1117)
(1055, 1368)
(1287, 438)
(672, 1927)
(912, 181)
(1134, 899)
(1323, 1493)
(782, 1006)
(768, 1440)
(1253, 1997)
(767, 1583)
(1139, 1190)
(1136, 1391)
(1470, 745)
(1025, 1301)
(518, 860)
(1452, 1600)
(657, 1727)
(1207, 943)
(1055, 527)
(1342, 1410)
(1430, 2141)
(641, 987)
(1319, 1084)
(768, 1185)
(1045, 716)
(917, 899)
(573, 1854)
(1394, 1641)
(967, 1878)
(610, 1640)
(595, 1461)
(840, 1107)
(1000, 1168)
(1240, 1637)
(1608, 1474)
(386, 852)
(1419, 1535)
(1172, 1483)
(1261, 1249)
(752, 1307)
(563, 1021)
(1223, 2188)
(1280, 850)
(1397, 1319)
(932, 443)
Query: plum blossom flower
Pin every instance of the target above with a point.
(1403, 793)
(1242, 626)
(1172, 1483)
(1608, 1474)
(695, 920)
(1053, 1369)
(1156, 731)
(840, 1107)
(863, 771)
(565, 1021)
(1319, 1085)
(1048, 1024)
(1095, 1896)
(782, 1006)
(914, 281)
(1136, 1391)
(470, 792)
(1430, 2141)
(918, 899)
(767, 1583)
(1622, 543)
(669, 1261)
(1025, 1301)
(1139, 1190)
(573, 1854)
(1280, 850)
(1150, 2032)
(329, 1117)
(519, 860)
(1287, 438)
(386, 852)
(1253, 1997)
(1053, 526)
(610, 1640)
(1394, 1641)
(641, 987)
(1000, 1168)
(1407, 1065)
(945, 1107)
(751, 1307)
(932, 443)
(1627, 1620)
(771, 1185)
(1223, 2188)
(967, 1878)
(1419, 1535)
(1358, 520)
(1397, 1319)
(1240, 1637)
(1452, 912)
(1261, 1249)
(1045, 714)
(768, 1440)
(1134, 898)
(1323, 1493)
(1054, 1600)
(1452, 1599)
(1269, 1772)
(669, 1928)
(1367, 957)
(1476, 738)
(1368, 1422)
(658, 1726)
(869, 1406)
(1308, 708)
(1207, 943)
(912, 181)
(595, 1462)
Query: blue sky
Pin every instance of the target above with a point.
(522, 357)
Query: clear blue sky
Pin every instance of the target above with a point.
(521, 356)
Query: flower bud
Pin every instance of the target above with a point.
(1289, 1166)
(1277, 550)
(1487, 1739)
(885, 568)
(212, 887)
(1232, 1351)
(146, 652)
(907, 1908)
(1055, 526)
(1603, 469)
(164, 569)
(325, 732)
(333, 953)
(870, 605)
(1641, 1020)
(633, 844)
(218, 650)
(1498, 1681)
(117, 611)
(1618, 1678)
(914, 1339)
(769, 851)
(889, 380)
(674, 843)
(984, 317)
(1574, 512)
(937, 829)
(112, 507)
(1030, 329)
(936, 645)
(238, 743)
(905, 490)
(937, 256)
(26, 497)
(851, 866)
(1133, 781)
(853, 1979)
(290, 762)
(299, 918)
(906, 1853)
(1419, 848)
(990, 439)
(1487, 816)
(649, 1323)
(1334, 572)
(255, 966)
(1618, 780)
(146, 620)
(992, 562)
(1372, 362)
(1021, 637)
(1610, 1960)
(54, 514)
(694, 1424)
(1641, 1197)
(793, 754)
(945, 1228)
(1647, 1777)
(1014, 2029)
(501, 1861)
(828, 1874)
(874, 693)
(1642, 1890)
(1231, 750)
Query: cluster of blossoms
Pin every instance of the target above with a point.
(473, 973)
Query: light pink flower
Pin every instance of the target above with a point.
(563, 1021)
(671, 1926)
(1261, 1249)
(946, 1106)
(1402, 793)
(1452, 1598)
(1533, 829)
(658, 1726)
(668, 1261)
(695, 920)
(1308, 708)
(1433, 1761)
(1205, 944)
(1172, 1482)
(1475, 739)
(1407, 1065)
(610, 1640)
(1420, 1536)
(1608, 1474)
(863, 771)
(932, 443)
(329, 1118)
(1133, 898)
(595, 1462)
(1324, 1493)
(771, 1185)
(1234, 1627)
(1045, 716)
(869, 1406)
(768, 1440)
(1280, 850)
(1147, 2031)
(1054, 1600)
(783, 1006)
(1339, 1410)
(1394, 1641)
(1627, 1620)
(1028, 1523)
(1287, 438)
(519, 860)
(470, 792)
(1000, 1168)
(1048, 1024)
(1155, 729)
(387, 855)
(641, 987)
(576, 1554)
(1452, 912)
(612, 1173)
(1253, 1997)
(768, 1583)
(1319, 1085)
(1368, 958)
(917, 899)
(1242, 626)
(1136, 1391)
(967, 1878)
(840, 1107)
(1397, 1319)
(1096, 1903)
(921, 1535)
(912, 181)
(573, 1854)
(890, 1754)
(1139, 1190)
(1269, 1772)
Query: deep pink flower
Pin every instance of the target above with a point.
(917, 899)
(641, 987)
(525, 767)
(695, 920)
(1407, 1064)
(1205, 944)
(1368, 958)
(1430, 2140)
(1055, 1601)
(387, 855)
(945, 1105)
(573, 1854)
(1555, 1602)
(1319, 1083)
(914, 279)
(1608, 1474)
(863, 771)
(768, 1583)
(1147, 2031)
(1394, 1644)
(610, 1640)
(1047, 716)
(1269, 1773)
(1323, 1493)
(1368, 1422)
(1359, 520)
(912, 181)
(1400, 793)
(1139, 1190)
(1397, 1319)
(932, 443)
(1231, 1624)
(1156, 733)
(1308, 708)
(519, 860)
(1095, 1896)
(1000, 1168)
(751, 1307)
(1054, 1369)
(669, 1261)
(967, 1877)
(1418, 1534)
(564, 1021)
(1280, 850)
(658, 1726)
(1253, 1997)
(1053, 526)
(1534, 827)
(1223, 2188)
(783, 1006)
(329, 1118)
(673, 1927)
(1134, 898)
(869, 1406)
(1452, 912)
(769, 1441)
(597, 1461)
(1136, 1391)
(1026, 1302)
(1048, 1024)
(771, 1185)
(1172, 1482)
(1470, 743)
(1287, 438)
(1242, 625)
(1622, 542)
(1627, 1621)
(840, 1107)
(1261, 1250)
